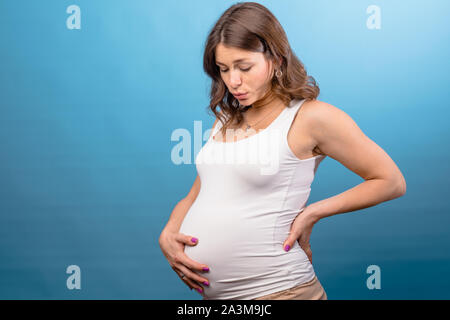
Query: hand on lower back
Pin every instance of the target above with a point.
(301, 229)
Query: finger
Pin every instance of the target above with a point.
(183, 278)
(191, 264)
(186, 239)
(310, 257)
(193, 276)
(306, 247)
(192, 284)
(189, 282)
(308, 251)
(289, 242)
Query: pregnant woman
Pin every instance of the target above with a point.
(243, 230)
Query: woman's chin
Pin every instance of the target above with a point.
(245, 102)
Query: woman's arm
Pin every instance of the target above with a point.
(339, 137)
(179, 212)
(172, 242)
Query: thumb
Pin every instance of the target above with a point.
(189, 240)
(288, 243)
(192, 241)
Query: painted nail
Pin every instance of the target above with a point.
(287, 247)
(205, 269)
(194, 240)
(206, 283)
(200, 290)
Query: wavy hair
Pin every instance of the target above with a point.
(251, 26)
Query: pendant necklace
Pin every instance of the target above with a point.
(249, 126)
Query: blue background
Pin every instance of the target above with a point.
(85, 136)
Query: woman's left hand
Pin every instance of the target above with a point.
(301, 229)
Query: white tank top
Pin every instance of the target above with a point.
(251, 191)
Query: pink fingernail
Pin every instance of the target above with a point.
(200, 290)
(287, 247)
(205, 269)
(194, 240)
(206, 283)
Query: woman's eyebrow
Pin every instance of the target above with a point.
(234, 62)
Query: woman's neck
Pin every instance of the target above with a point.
(264, 105)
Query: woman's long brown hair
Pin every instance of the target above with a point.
(251, 26)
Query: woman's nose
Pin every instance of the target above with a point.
(235, 79)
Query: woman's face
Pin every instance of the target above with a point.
(244, 72)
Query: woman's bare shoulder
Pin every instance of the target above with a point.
(316, 116)
(319, 110)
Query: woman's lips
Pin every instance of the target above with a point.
(242, 96)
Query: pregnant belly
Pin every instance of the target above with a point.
(242, 252)
(224, 242)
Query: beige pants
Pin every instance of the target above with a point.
(311, 290)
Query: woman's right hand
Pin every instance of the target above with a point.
(172, 245)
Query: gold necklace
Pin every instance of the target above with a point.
(249, 126)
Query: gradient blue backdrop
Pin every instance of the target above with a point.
(85, 135)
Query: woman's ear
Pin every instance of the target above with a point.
(277, 63)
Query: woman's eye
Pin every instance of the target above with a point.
(245, 70)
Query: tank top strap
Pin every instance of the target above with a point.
(289, 114)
